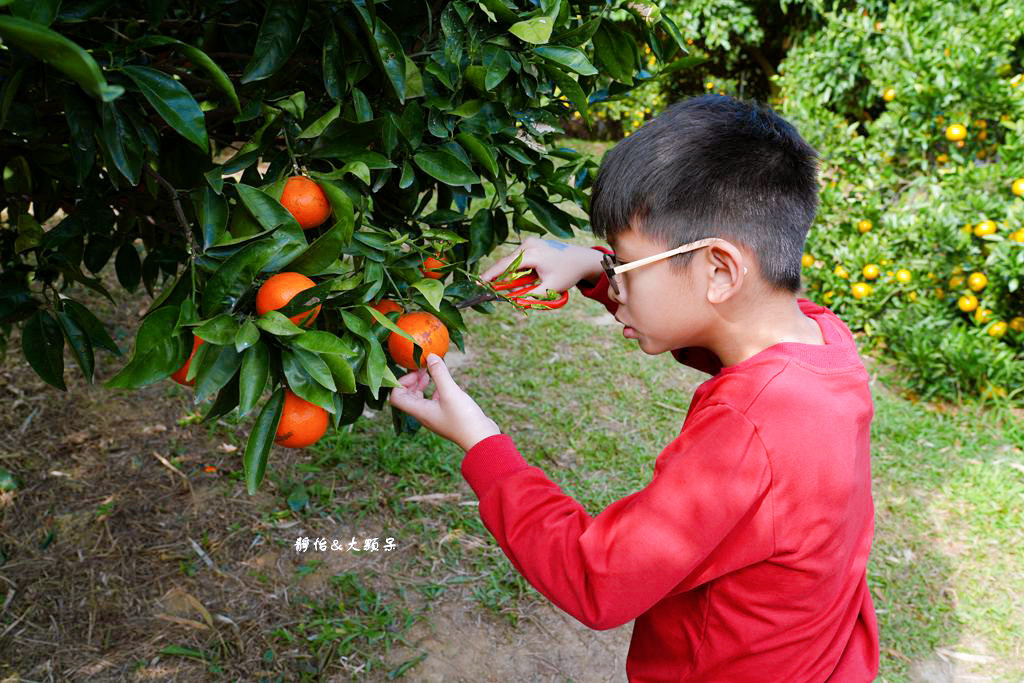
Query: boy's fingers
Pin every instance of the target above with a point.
(439, 373)
(499, 266)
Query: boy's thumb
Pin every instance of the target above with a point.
(439, 371)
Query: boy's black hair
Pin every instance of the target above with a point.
(713, 166)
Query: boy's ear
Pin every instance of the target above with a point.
(726, 269)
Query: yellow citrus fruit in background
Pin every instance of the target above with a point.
(1017, 236)
(864, 225)
(860, 290)
(998, 329)
(977, 281)
(1017, 324)
(1017, 187)
(889, 95)
(983, 315)
(841, 272)
(960, 144)
(985, 228)
(903, 275)
(871, 271)
(955, 132)
(956, 281)
(807, 260)
(942, 158)
(967, 303)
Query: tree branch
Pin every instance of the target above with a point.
(176, 201)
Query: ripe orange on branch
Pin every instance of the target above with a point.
(305, 201)
(302, 423)
(430, 334)
(182, 372)
(956, 132)
(431, 267)
(385, 306)
(279, 289)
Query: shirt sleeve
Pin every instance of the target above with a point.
(696, 357)
(609, 569)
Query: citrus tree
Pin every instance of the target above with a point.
(299, 185)
(918, 110)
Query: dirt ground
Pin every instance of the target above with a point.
(127, 536)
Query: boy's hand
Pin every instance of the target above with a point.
(450, 412)
(558, 265)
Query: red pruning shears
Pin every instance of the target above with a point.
(515, 289)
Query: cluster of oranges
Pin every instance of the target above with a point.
(303, 423)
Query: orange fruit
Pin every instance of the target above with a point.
(1017, 187)
(985, 228)
(430, 334)
(860, 290)
(305, 201)
(903, 276)
(279, 289)
(430, 267)
(302, 423)
(977, 281)
(871, 271)
(385, 306)
(841, 272)
(1017, 235)
(864, 226)
(960, 144)
(956, 132)
(1017, 324)
(983, 315)
(889, 95)
(807, 260)
(998, 329)
(182, 372)
(967, 303)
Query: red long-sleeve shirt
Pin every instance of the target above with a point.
(744, 557)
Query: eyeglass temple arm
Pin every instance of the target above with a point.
(678, 250)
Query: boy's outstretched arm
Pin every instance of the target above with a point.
(450, 412)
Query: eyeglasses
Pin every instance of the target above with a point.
(613, 266)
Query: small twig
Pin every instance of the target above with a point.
(176, 201)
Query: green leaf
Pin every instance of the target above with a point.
(91, 325)
(212, 213)
(265, 209)
(261, 438)
(229, 282)
(253, 378)
(536, 31)
(572, 90)
(200, 58)
(302, 384)
(78, 341)
(317, 127)
(498, 64)
(614, 52)
(278, 324)
(247, 335)
(344, 377)
(121, 142)
(63, 54)
(128, 266)
(432, 290)
(42, 342)
(483, 153)
(324, 251)
(319, 341)
(386, 48)
(40, 11)
(277, 39)
(556, 221)
(220, 330)
(211, 376)
(386, 321)
(158, 351)
(446, 167)
(173, 102)
(316, 367)
(568, 57)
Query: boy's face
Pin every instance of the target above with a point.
(660, 308)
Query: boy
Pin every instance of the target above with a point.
(744, 558)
